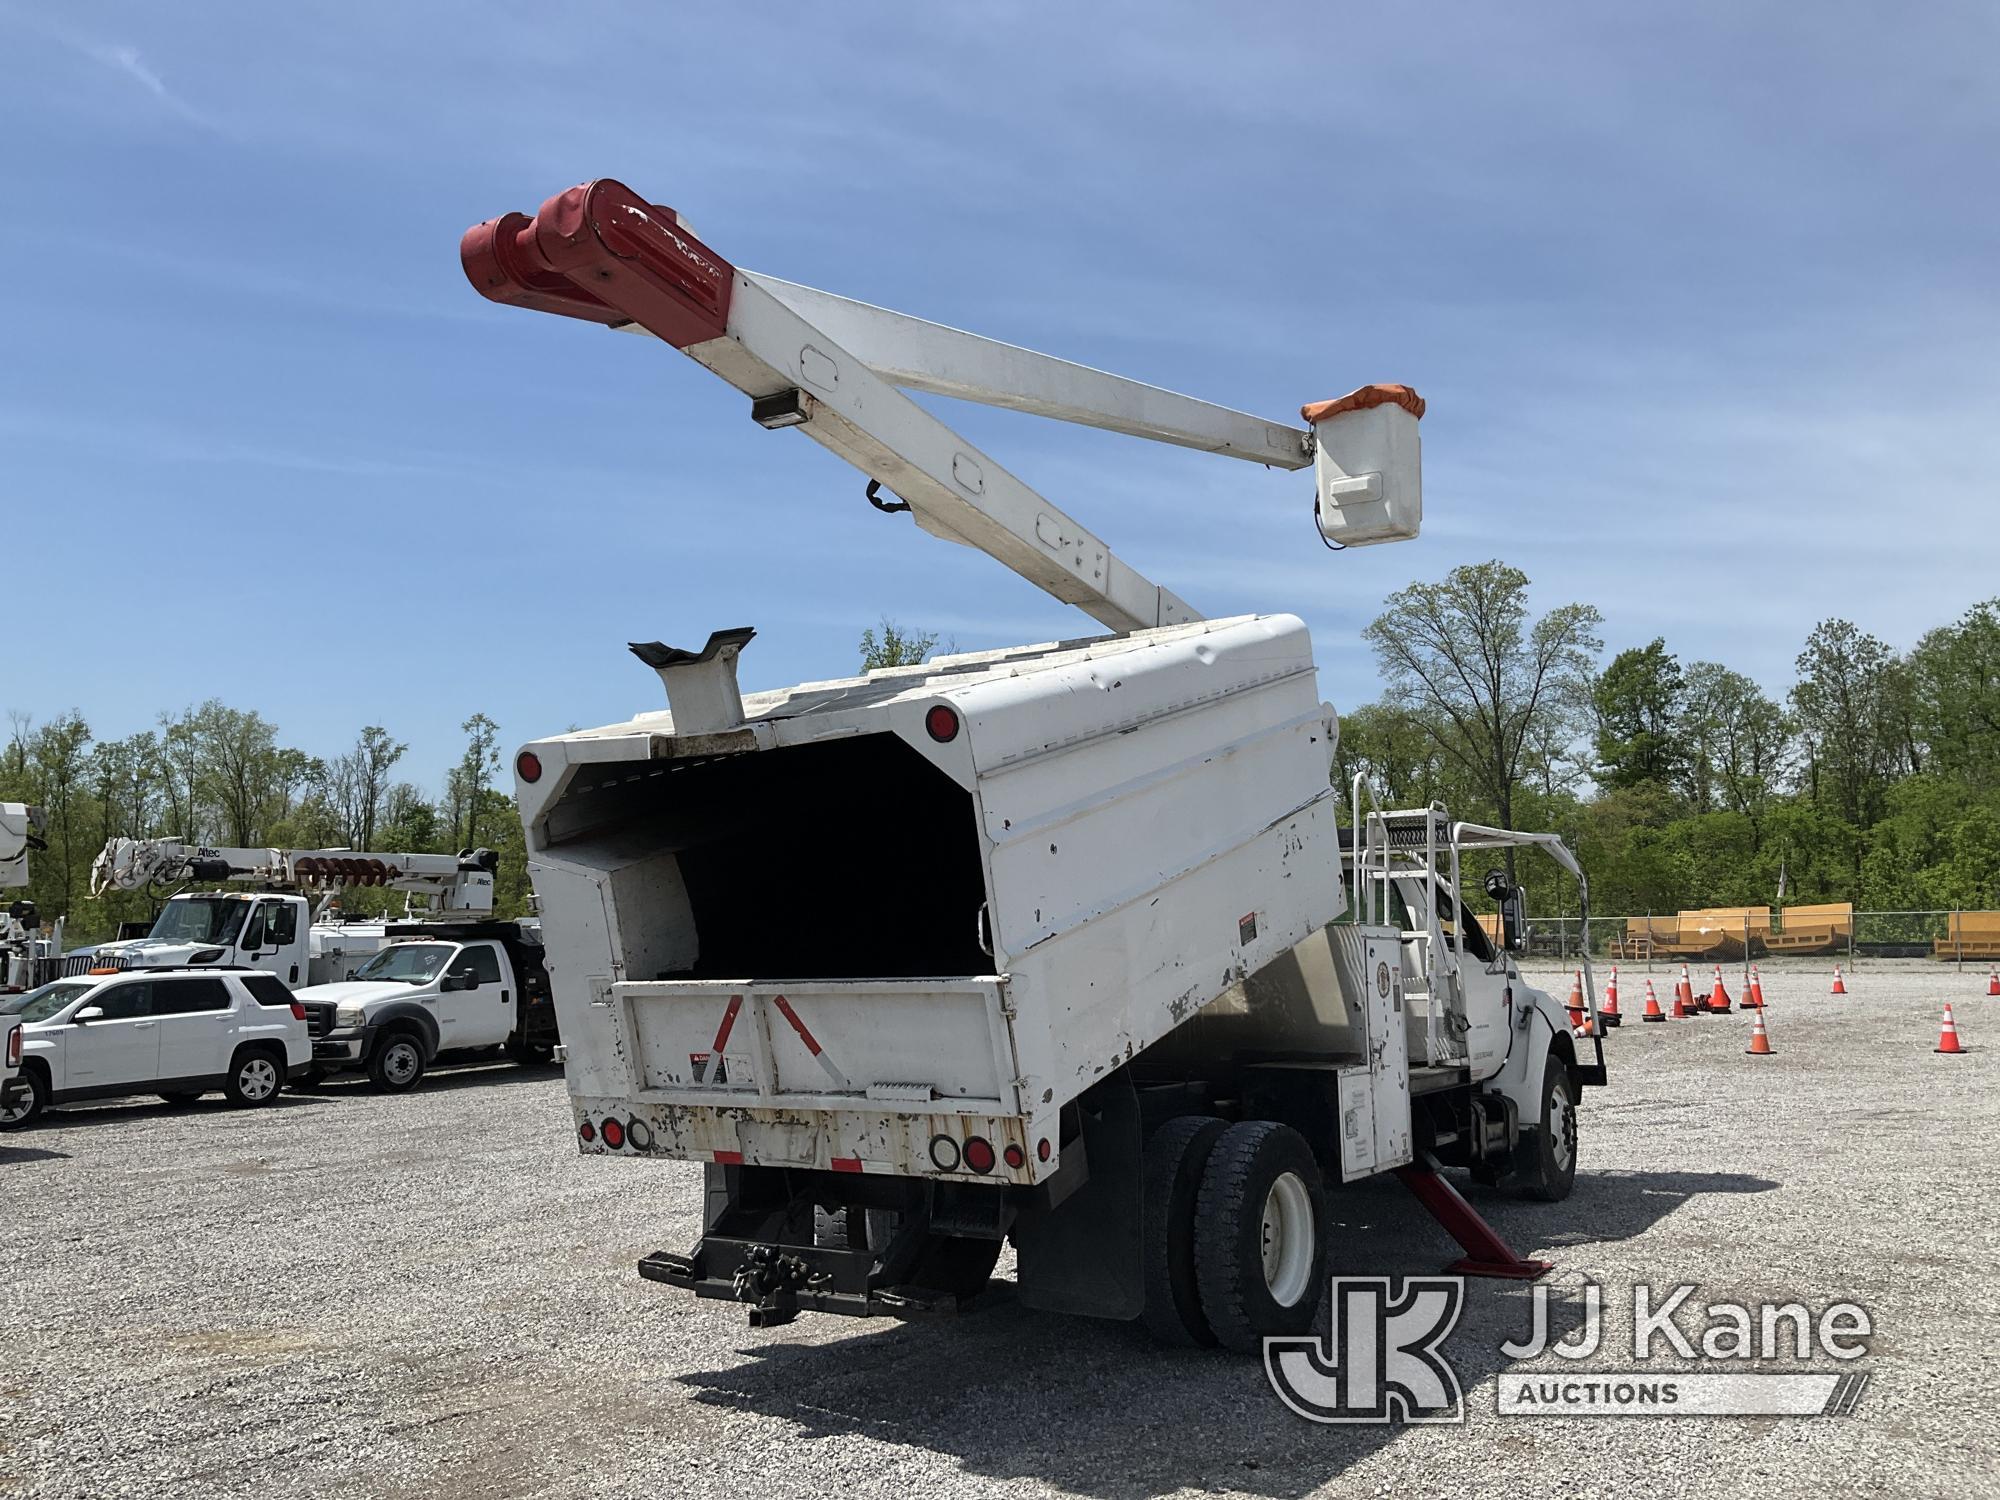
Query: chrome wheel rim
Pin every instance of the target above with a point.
(1286, 1239)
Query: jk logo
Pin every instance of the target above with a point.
(1382, 1362)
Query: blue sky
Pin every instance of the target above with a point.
(1702, 299)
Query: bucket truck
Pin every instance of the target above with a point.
(389, 997)
(25, 949)
(1061, 944)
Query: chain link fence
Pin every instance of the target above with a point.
(1652, 940)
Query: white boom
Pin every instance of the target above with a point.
(833, 367)
(20, 831)
(458, 883)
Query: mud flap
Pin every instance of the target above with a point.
(1082, 1256)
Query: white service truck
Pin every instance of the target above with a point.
(271, 924)
(1063, 945)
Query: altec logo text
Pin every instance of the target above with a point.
(1384, 1360)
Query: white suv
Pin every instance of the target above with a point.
(172, 1032)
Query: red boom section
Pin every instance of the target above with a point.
(602, 253)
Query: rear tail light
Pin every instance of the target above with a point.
(14, 1047)
(1042, 1149)
(944, 1153)
(941, 723)
(1016, 1157)
(528, 766)
(586, 1132)
(614, 1134)
(979, 1154)
(298, 1011)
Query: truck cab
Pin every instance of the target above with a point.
(434, 991)
(265, 930)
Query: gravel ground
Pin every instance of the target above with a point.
(433, 1295)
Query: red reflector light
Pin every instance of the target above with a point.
(528, 766)
(1042, 1149)
(941, 723)
(979, 1155)
(614, 1134)
(587, 1131)
(1016, 1157)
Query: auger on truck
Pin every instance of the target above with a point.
(1056, 944)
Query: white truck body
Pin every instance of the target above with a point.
(1130, 825)
(1038, 945)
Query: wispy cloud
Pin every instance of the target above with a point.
(126, 61)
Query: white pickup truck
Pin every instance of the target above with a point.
(436, 989)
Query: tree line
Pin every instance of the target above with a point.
(1873, 778)
(219, 776)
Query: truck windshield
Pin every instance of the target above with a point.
(201, 919)
(413, 963)
(39, 1005)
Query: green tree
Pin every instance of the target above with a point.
(1493, 686)
(1737, 740)
(465, 787)
(893, 646)
(1955, 690)
(1638, 718)
(1846, 703)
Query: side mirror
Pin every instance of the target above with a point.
(88, 1013)
(456, 982)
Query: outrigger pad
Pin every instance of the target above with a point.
(1486, 1254)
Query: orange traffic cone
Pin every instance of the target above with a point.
(1578, 1021)
(1838, 987)
(1752, 994)
(1760, 1039)
(1607, 1013)
(1718, 998)
(1684, 995)
(1948, 1037)
(1652, 1011)
(1756, 987)
(1993, 983)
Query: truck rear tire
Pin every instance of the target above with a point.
(1259, 1235)
(1175, 1157)
(396, 1063)
(1548, 1156)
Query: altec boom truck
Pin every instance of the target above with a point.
(1062, 944)
(268, 924)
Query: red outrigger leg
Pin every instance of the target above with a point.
(1486, 1254)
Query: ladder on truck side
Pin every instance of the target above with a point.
(1415, 844)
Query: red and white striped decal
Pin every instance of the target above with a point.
(812, 1046)
(728, 1021)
